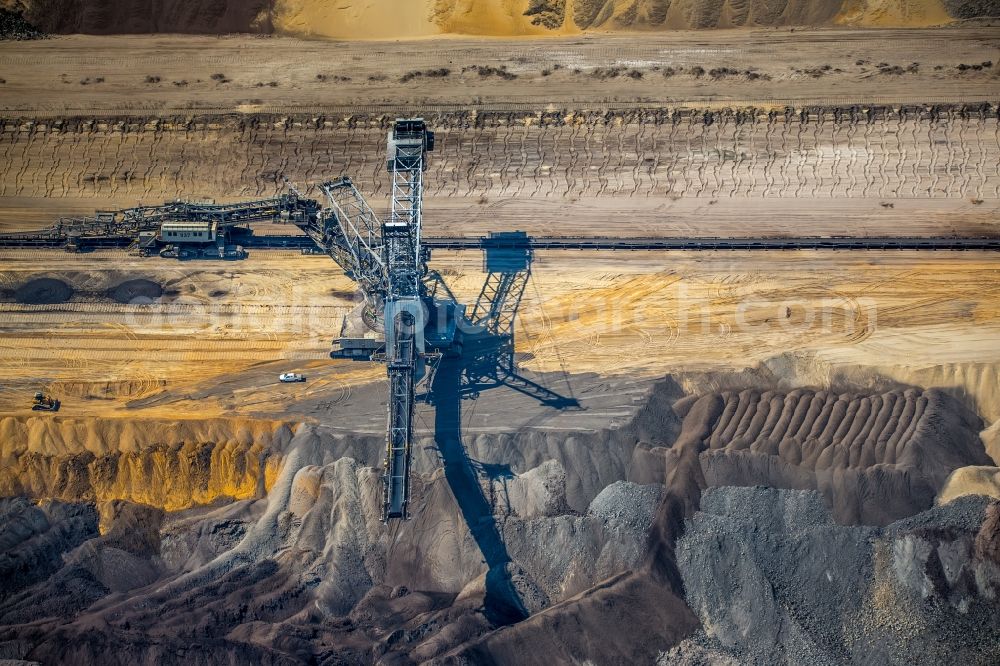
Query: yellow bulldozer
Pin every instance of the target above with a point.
(44, 403)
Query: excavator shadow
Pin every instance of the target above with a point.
(502, 604)
(459, 378)
(484, 360)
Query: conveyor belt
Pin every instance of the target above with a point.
(581, 243)
(698, 244)
(46, 241)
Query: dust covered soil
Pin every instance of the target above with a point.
(156, 75)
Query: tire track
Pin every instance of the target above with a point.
(884, 163)
(912, 153)
(508, 157)
(800, 159)
(752, 167)
(838, 156)
(949, 168)
(915, 163)
(996, 162)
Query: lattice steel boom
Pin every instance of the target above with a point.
(405, 312)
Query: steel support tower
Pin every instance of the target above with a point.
(507, 268)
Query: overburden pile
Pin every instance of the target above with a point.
(751, 525)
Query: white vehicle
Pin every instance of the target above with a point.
(291, 377)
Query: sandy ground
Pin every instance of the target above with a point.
(216, 341)
(527, 143)
(87, 75)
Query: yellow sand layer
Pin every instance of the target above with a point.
(171, 464)
(892, 13)
(402, 19)
(352, 19)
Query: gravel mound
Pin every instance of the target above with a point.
(967, 9)
(627, 502)
(774, 580)
(43, 291)
(135, 291)
(964, 513)
(14, 27)
(691, 652)
(34, 538)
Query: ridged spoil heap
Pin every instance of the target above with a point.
(875, 458)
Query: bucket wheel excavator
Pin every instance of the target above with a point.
(386, 260)
(409, 318)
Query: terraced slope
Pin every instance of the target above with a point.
(759, 166)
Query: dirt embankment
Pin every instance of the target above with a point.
(168, 464)
(397, 19)
(874, 458)
(551, 529)
(419, 590)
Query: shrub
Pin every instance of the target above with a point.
(432, 73)
(485, 72)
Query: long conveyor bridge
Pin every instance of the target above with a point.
(46, 240)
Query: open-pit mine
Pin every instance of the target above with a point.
(506, 332)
